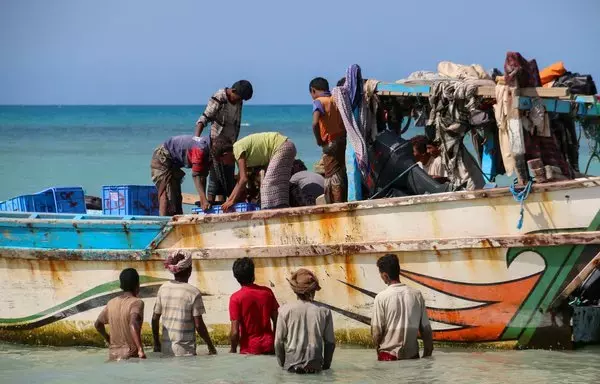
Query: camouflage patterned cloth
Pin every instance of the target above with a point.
(167, 179)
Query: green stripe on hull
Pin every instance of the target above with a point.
(100, 289)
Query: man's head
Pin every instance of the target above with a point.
(130, 281)
(243, 270)
(341, 82)
(222, 151)
(419, 144)
(305, 284)
(241, 90)
(179, 263)
(298, 166)
(433, 150)
(317, 86)
(389, 268)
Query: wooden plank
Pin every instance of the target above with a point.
(490, 91)
(561, 106)
(577, 281)
(189, 198)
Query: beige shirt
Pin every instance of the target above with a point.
(434, 167)
(178, 304)
(398, 312)
(117, 314)
(302, 330)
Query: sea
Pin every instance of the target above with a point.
(92, 146)
(45, 365)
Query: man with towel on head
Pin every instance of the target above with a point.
(304, 338)
(181, 307)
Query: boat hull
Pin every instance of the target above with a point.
(484, 280)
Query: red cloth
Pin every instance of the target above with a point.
(386, 356)
(253, 306)
(199, 159)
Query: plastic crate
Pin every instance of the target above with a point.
(51, 200)
(129, 200)
(216, 209)
(63, 199)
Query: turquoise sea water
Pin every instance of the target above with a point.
(91, 146)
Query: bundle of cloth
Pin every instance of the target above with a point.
(446, 71)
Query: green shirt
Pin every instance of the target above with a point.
(258, 148)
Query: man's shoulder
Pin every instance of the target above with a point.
(220, 96)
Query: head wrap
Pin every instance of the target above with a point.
(178, 266)
(304, 281)
(243, 89)
(354, 85)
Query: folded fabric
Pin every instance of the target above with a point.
(461, 71)
(552, 72)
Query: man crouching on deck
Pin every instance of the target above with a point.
(304, 338)
(182, 307)
(399, 313)
(125, 314)
(178, 152)
(251, 310)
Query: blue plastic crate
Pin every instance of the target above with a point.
(216, 209)
(28, 203)
(63, 199)
(129, 200)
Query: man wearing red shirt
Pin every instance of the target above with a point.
(251, 310)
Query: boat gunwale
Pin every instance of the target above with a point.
(587, 182)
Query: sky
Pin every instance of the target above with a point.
(181, 51)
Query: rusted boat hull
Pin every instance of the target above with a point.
(484, 280)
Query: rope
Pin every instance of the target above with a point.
(393, 181)
(520, 197)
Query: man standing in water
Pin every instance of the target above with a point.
(399, 313)
(182, 307)
(125, 314)
(224, 112)
(251, 310)
(304, 338)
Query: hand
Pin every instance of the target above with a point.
(204, 204)
(212, 350)
(156, 347)
(226, 206)
(141, 353)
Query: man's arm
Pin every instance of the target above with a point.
(234, 335)
(316, 128)
(135, 326)
(280, 337)
(155, 333)
(329, 340)
(208, 116)
(425, 330)
(100, 322)
(377, 322)
(240, 186)
(203, 333)
(199, 184)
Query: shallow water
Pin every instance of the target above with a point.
(21, 364)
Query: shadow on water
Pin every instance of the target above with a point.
(20, 364)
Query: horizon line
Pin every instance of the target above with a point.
(142, 105)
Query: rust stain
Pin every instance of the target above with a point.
(189, 236)
(268, 239)
(57, 269)
(486, 243)
(328, 226)
(437, 252)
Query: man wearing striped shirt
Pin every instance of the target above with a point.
(181, 308)
(224, 113)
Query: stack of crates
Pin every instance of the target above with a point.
(51, 200)
(130, 200)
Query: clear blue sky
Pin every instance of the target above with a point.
(180, 51)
